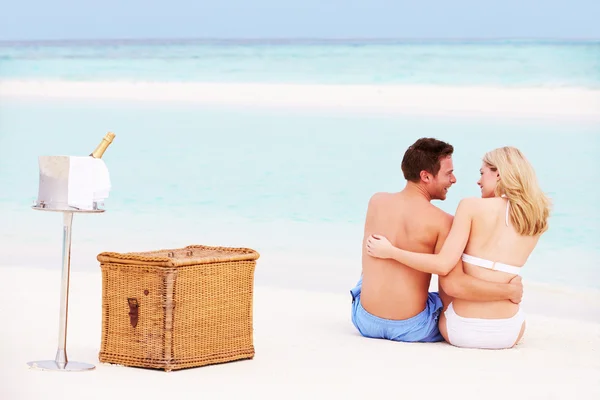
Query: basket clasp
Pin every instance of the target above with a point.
(133, 311)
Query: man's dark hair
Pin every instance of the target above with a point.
(424, 155)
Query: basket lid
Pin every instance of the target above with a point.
(189, 255)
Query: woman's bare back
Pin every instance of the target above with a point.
(493, 238)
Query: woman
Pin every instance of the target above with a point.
(494, 235)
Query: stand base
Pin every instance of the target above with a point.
(51, 365)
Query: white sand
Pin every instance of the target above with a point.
(472, 101)
(305, 346)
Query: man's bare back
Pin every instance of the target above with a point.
(391, 290)
(391, 301)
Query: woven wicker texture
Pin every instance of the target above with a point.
(194, 307)
(190, 255)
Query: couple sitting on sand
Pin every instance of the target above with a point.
(477, 254)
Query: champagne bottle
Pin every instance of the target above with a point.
(106, 141)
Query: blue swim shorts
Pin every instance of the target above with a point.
(423, 327)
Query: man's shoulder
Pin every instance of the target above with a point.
(379, 198)
(440, 215)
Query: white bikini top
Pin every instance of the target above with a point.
(493, 265)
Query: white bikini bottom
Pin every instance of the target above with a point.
(483, 333)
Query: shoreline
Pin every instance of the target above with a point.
(578, 103)
(293, 262)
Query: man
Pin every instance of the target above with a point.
(392, 301)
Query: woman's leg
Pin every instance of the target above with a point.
(446, 300)
(442, 327)
(520, 333)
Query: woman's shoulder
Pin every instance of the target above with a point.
(470, 202)
(475, 204)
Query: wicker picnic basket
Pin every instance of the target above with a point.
(178, 308)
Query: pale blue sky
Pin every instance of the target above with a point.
(122, 19)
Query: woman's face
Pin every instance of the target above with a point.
(488, 180)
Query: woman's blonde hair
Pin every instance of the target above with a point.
(529, 206)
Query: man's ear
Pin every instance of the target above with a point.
(425, 176)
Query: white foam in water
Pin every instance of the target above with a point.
(483, 101)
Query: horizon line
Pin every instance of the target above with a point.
(300, 39)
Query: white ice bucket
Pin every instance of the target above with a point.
(71, 182)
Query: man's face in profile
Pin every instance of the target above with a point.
(443, 180)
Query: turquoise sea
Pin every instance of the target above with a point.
(528, 63)
(292, 184)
